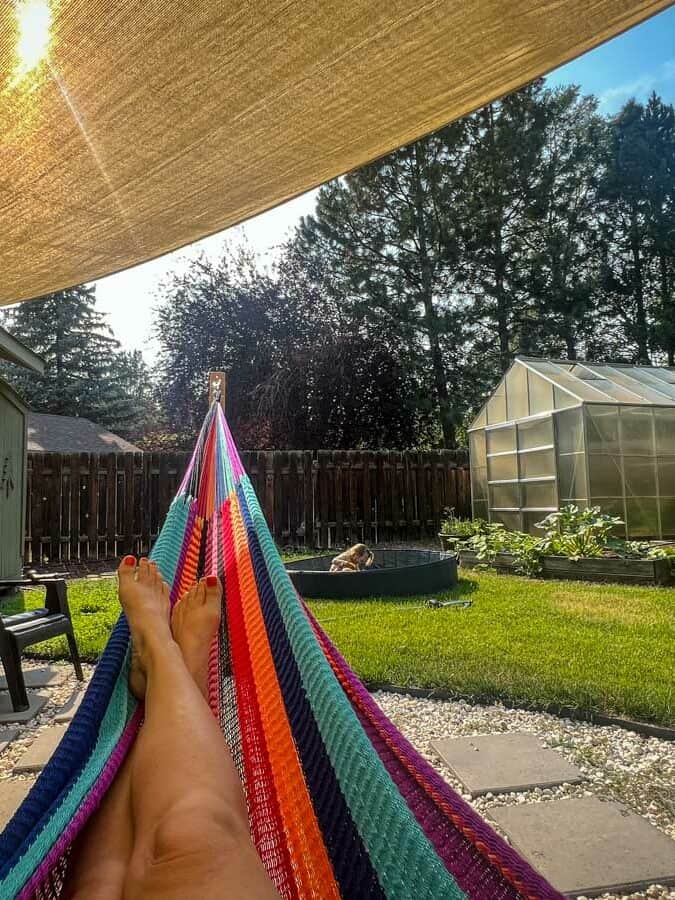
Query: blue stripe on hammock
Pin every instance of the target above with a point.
(70, 757)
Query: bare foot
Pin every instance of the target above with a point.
(194, 622)
(144, 596)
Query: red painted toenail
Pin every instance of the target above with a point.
(211, 581)
(129, 560)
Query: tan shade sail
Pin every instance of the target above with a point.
(129, 128)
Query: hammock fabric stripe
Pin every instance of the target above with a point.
(340, 804)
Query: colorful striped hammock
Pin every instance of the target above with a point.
(340, 804)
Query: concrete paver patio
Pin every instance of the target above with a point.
(589, 846)
(500, 763)
(38, 754)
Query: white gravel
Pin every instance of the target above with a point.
(58, 696)
(620, 765)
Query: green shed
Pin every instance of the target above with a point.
(13, 458)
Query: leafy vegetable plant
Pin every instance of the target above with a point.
(571, 532)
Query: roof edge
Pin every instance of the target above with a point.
(587, 362)
(13, 350)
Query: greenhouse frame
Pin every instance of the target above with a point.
(559, 432)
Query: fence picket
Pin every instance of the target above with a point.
(85, 506)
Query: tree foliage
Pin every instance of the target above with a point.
(533, 226)
(302, 374)
(86, 373)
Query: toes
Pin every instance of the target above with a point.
(189, 595)
(200, 594)
(144, 570)
(212, 588)
(127, 569)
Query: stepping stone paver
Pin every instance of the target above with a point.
(589, 846)
(68, 710)
(7, 714)
(12, 794)
(499, 763)
(40, 751)
(6, 737)
(45, 676)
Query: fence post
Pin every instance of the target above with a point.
(308, 498)
(322, 485)
(54, 506)
(367, 525)
(269, 490)
(217, 388)
(110, 505)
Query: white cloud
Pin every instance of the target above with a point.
(614, 97)
(127, 297)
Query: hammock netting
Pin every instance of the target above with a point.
(340, 804)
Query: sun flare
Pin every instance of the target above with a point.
(34, 20)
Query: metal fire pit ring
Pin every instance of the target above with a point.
(394, 573)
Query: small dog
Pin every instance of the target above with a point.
(355, 559)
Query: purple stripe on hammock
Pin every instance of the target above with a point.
(88, 806)
(535, 884)
(188, 472)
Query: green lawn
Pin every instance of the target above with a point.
(94, 608)
(607, 648)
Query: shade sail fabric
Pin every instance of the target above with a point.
(148, 125)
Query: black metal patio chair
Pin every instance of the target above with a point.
(21, 630)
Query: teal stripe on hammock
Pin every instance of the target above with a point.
(407, 864)
(120, 709)
(168, 546)
(225, 480)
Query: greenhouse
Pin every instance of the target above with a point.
(593, 434)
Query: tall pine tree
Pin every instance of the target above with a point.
(562, 236)
(390, 238)
(501, 181)
(84, 374)
(637, 214)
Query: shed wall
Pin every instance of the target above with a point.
(12, 482)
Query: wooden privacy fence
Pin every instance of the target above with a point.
(90, 506)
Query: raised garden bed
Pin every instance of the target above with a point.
(502, 562)
(607, 569)
(449, 542)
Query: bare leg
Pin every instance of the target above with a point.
(191, 827)
(101, 854)
(194, 622)
(185, 836)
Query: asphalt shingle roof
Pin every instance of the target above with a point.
(71, 434)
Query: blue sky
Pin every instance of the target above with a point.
(632, 65)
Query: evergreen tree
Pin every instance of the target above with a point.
(390, 238)
(562, 237)
(638, 224)
(82, 376)
(502, 181)
(659, 125)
